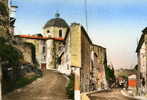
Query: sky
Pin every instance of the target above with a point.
(114, 24)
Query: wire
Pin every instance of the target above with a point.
(86, 14)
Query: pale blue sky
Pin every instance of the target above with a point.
(114, 24)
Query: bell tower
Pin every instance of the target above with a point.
(56, 29)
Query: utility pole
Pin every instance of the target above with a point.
(86, 14)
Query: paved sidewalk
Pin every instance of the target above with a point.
(125, 93)
(114, 94)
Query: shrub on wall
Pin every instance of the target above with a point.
(70, 87)
(9, 53)
(3, 9)
(4, 19)
(11, 57)
(110, 76)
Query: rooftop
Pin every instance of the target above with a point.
(56, 22)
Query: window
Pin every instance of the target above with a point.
(67, 67)
(43, 43)
(60, 33)
(48, 31)
(43, 51)
(95, 54)
(58, 60)
(44, 57)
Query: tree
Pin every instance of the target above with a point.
(110, 76)
(9, 53)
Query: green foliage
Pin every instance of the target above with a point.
(136, 67)
(3, 9)
(2, 40)
(70, 87)
(110, 76)
(12, 55)
(23, 81)
(58, 60)
(18, 83)
(126, 72)
(9, 53)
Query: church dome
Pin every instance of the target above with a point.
(56, 22)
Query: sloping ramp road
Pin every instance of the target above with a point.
(115, 94)
(50, 87)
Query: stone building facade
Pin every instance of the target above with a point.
(48, 43)
(40, 47)
(142, 63)
(98, 64)
(83, 58)
(40, 44)
(55, 28)
(69, 49)
(85, 61)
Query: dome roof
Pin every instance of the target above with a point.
(57, 22)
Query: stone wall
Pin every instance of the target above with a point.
(50, 54)
(98, 64)
(78, 54)
(59, 48)
(146, 60)
(75, 45)
(26, 52)
(65, 57)
(38, 48)
(85, 61)
(92, 72)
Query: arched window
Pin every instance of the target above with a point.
(60, 33)
(43, 51)
(48, 31)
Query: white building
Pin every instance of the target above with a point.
(142, 63)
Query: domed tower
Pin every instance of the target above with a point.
(55, 28)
